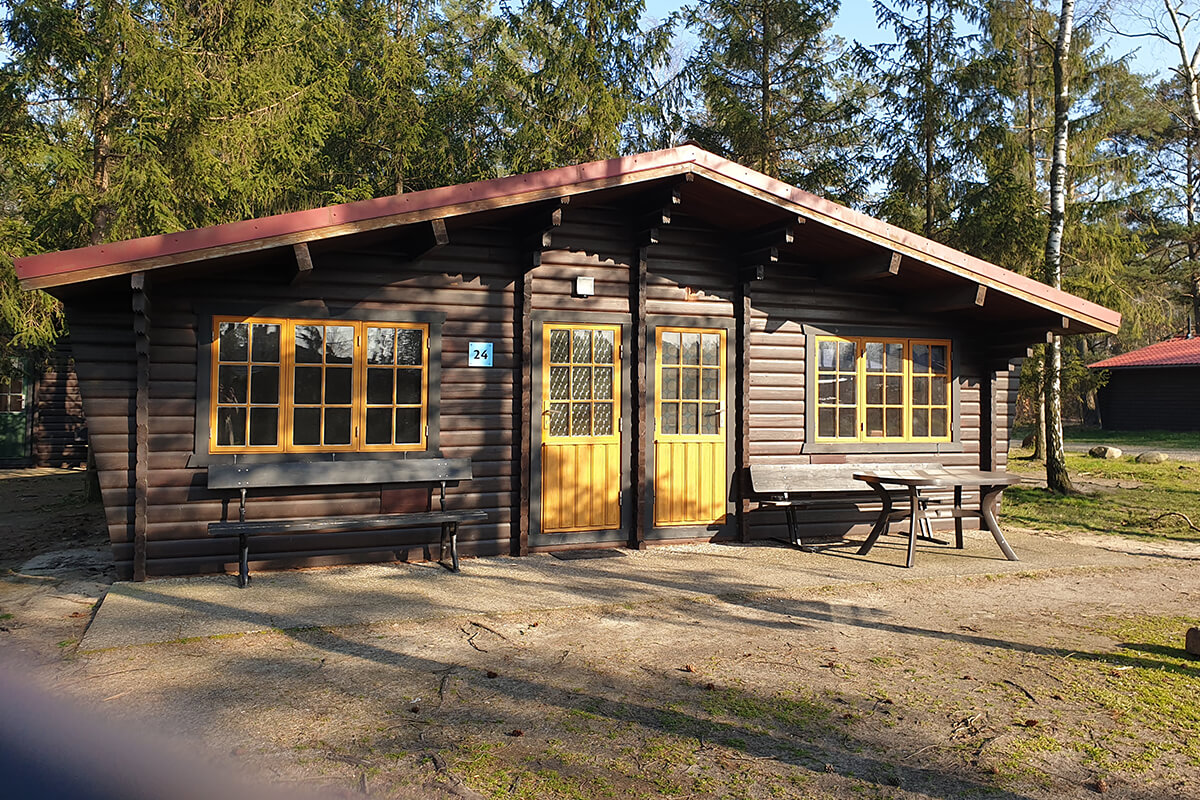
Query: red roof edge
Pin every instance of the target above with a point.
(1179, 352)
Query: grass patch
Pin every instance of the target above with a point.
(1154, 490)
(1145, 440)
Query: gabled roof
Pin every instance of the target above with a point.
(156, 252)
(1171, 353)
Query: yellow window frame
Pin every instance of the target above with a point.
(860, 383)
(286, 404)
(615, 435)
(700, 401)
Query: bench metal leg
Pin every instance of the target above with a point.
(243, 560)
(881, 523)
(958, 525)
(450, 537)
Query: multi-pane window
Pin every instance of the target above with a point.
(689, 391)
(581, 365)
(12, 393)
(318, 385)
(883, 389)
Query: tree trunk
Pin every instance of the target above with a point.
(927, 132)
(1057, 478)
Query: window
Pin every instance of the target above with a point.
(281, 385)
(883, 389)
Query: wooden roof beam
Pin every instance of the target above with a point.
(661, 204)
(871, 268)
(548, 217)
(775, 235)
(304, 264)
(963, 298)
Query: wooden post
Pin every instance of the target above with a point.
(638, 351)
(141, 468)
(987, 419)
(524, 401)
(741, 456)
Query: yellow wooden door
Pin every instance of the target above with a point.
(581, 445)
(689, 432)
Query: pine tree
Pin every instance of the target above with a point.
(776, 93)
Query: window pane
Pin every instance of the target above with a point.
(875, 389)
(937, 422)
(691, 383)
(603, 382)
(379, 387)
(604, 419)
(689, 418)
(827, 422)
(559, 377)
(874, 353)
(233, 336)
(337, 426)
(920, 358)
(264, 385)
(558, 419)
(604, 347)
(670, 347)
(920, 422)
(231, 427)
(306, 426)
(339, 344)
(827, 389)
(560, 346)
(408, 425)
(409, 346)
(309, 343)
(231, 384)
(670, 384)
(874, 422)
(846, 393)
(265, 343)
(581, 347)
(938, 387)
(710, 347)
(895, 392)
(264, 426)
(307, 387)
(826, 355)
(894, 422)
(920, 391)
(408, 386)
(846, 356)
(937, 359)
(380, 343)
(895, 357)
(848, 423)
(691, 348)
(581, 419)
(4, 403)
(710, 418)
(337, 385)
(581, 383)
(379, 426)
(670, 418)
(709, 390)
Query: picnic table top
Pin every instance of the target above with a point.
(938, 476)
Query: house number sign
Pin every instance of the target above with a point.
(480, 354)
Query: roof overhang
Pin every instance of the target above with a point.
(157, 252)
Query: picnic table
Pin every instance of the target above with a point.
(991, 486)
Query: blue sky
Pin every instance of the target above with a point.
(856, 20)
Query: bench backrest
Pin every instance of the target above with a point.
(774, 479)
(338, 473)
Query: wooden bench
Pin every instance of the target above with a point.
(243, 477)
(798, 487)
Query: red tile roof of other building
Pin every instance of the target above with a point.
(1171, 353)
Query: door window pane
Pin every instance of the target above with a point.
(581, 347)
(689, 418)
(691, 348)
(670, 384)
(604, 383)
(711, 349)
(670, 347)
(581, 383)
(710, 418)
(559, 376)
(559, 419)
(603, 421)
(604, 347)
(691, 384)
(560, 346)
(709, 389)
(670, 418)
(581, 419)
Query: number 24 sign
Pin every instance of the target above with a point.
(479, 354)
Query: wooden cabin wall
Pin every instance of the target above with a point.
(59, 426)
(1151, 398)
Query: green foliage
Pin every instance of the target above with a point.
(776, 93)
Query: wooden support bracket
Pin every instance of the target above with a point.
(963, 298)
(867, 269)
(304, 263)
(543, 222)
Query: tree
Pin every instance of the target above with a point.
(776, 93)
(1057, 478)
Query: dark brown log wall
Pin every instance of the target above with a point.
(1151, 398)
(59, 428)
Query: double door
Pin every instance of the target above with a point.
(584, 451)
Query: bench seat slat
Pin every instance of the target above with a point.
(354, 523)
(337, 473)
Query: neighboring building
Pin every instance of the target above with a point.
(41, 413)
(1154, 388)
(609, 346)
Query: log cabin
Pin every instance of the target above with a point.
(593, 356)
(41, 412)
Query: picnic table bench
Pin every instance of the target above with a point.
(243, 477)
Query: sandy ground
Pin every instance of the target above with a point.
(1060, 683)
